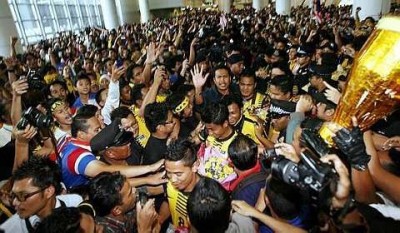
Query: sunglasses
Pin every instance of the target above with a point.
(21, 197)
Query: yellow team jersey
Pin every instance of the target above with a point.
(258, 105)
(215, 163)
(177, 206)
(144, 133)
(248, 129)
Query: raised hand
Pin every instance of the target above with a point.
(304, 104)
(332, 93)
(116, 73)
(20, 87)
(197, 75)
(26, 134)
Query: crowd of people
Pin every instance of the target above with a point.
(204, 122)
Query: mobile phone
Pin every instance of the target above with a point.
(143, 198)
(120, 63)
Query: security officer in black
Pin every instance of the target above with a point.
(301, 72)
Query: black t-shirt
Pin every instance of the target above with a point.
(187, 126)
(154, 150)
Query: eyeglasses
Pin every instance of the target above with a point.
(21, 197)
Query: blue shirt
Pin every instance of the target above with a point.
(75, 157)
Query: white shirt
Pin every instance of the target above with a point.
(112, 101)
(15, 224)
(5, 134)
(59, 133)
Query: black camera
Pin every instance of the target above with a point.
(316, 180)
(35, 118)
(143, 198)
(35, 80)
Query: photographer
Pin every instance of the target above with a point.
(114, 201)
(297, 171)
(32, 116)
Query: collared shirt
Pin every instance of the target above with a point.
(257, 105)
(75, 156)
(15, 224)
(112, 225)
(92, 100)
(212, 95)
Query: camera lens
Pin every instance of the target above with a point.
(43, 121)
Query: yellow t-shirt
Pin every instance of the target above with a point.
(177, 207)
(248, 129)
(214, 163)
(258, 105)
(144, 133)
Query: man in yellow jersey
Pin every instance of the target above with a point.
(243, 124)
(253, 102)
(214, 162)
(181, 165)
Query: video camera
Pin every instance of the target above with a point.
(316, 180)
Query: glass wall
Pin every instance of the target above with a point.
(41, 19)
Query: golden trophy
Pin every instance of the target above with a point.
(373, 87)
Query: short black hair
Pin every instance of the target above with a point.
(79, 123)
(215, 113)
(81, 76)
(88, 109)
(129, 70)
(155, 114)
(243, 152)
(222, 66)
(136, 92)
(209, 206)
(98, 95)
(248, 73)
(185, 88)
(120, 112)
(181, 149)
(283, 82)
(232, 99)
(104, 192)
(282, 65)
(61, 220)
(59, 82)
(43, 171)
(283, 198)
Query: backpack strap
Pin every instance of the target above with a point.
(253, 178)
